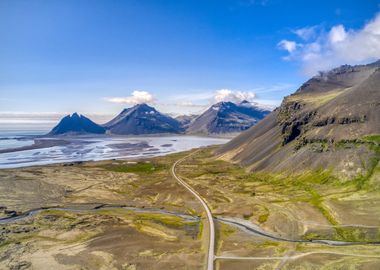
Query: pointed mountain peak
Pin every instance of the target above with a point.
(76, 124)
(246, 103)
(222, 104)
(141, 107)
(144, 105)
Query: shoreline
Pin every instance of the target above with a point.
(38, 144)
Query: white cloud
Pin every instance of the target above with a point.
(306, 33)
(195, 101)
(233, 96)
(137, 97)
(337, 34)
(287, 45)
(336, 46)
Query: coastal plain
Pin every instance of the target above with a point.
(119, 214)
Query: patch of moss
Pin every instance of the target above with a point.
(200, 230)
(4, 243)
(58, 213)
(17, 238)
(299, 181)
(362, 181)
(225, 230)
(372, 138)
(165, 219)
(268, 243)
(312, 236)
(315, 99)
(263, 218)
(192, 211)
(139, 168)
(170, 220)
(347, 234)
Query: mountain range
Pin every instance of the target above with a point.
(331, 122)
(223, 117)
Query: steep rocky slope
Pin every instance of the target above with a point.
(329, 123)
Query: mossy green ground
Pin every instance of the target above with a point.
(138, 167)
(315, 188)
(64, 220)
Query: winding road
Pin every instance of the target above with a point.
(210, 220)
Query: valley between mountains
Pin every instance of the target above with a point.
(299, 189)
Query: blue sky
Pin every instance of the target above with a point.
(90, 56)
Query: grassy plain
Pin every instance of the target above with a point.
(99, 235)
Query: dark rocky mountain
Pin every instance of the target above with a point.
(227, 117)
(76, 124)
(142, 119)
(331, 122)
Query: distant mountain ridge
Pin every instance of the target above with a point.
(326, 124)
(227, 117)
(76, 124)
(223, 117)
(142, 119)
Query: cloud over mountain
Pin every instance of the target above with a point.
(287, 45)
(137, 97)
(320, 49)
(233, 95)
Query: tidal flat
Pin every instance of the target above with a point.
(20, 150)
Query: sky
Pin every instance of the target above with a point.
(98, 57)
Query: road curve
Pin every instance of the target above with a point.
(211, 245)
